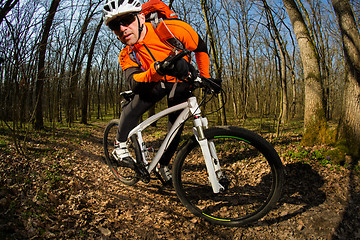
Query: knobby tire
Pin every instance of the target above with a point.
(253, 170)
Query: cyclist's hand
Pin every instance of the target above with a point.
(193, 73)
(217, 83)
(179, 69)
(213, 83)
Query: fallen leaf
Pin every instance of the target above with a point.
(106, 232)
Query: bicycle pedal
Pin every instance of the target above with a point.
(165, 183)
(126, 162)
(142, 173)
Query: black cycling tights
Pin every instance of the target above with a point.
(142, 102)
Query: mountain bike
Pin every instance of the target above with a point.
(226, 175)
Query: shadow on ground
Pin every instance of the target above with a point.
(301, 192)
(348, 228)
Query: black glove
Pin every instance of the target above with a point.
(193, 73)
(180, 69)
(213, 83)
(216, 83)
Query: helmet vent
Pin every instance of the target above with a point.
(115, 8)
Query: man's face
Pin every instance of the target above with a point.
(126, 27)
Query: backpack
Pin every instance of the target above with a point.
(155, 12)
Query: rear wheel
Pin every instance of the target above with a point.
(126, 175)
(253, 177)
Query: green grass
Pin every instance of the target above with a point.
(3, 143)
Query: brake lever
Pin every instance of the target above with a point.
(210, 85)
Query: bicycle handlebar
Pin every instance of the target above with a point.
(212, 84)
(175, 57)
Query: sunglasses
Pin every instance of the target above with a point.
(122, 21)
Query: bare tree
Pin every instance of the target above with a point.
(245, 37)
(39, 122)
(215, 52)
(233, 74)
(314, 118)
(76, 66)
(6, 7)
(171, 3)
(85, 99)
(280, 43)
(350, 125)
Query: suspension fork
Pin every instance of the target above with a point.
(208, 150)
(213, 153)
(209, 153)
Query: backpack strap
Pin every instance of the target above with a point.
(166, 36)
(154, 19)
(135, 58)
(152, 56)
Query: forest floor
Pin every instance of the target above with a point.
(63, 189)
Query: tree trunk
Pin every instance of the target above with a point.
(314, 118)
(6, 8)
(39, 122)
(171, 3)
(282, 71)
(75, 72)
(216, 58)
(349, 129)
(85, 99)
(245, 63)
(232, 73)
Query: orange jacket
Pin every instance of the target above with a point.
(152, 49)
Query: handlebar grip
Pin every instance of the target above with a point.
(213, 84)
(176, 57)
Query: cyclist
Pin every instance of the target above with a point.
(142, 61)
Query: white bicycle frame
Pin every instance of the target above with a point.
(190, 107)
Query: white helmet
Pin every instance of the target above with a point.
(115, 8)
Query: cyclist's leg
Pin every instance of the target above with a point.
(181, 95)
(131, 113)
(130, 116)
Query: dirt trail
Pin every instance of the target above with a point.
(319, 202)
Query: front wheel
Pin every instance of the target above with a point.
(253, 172)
